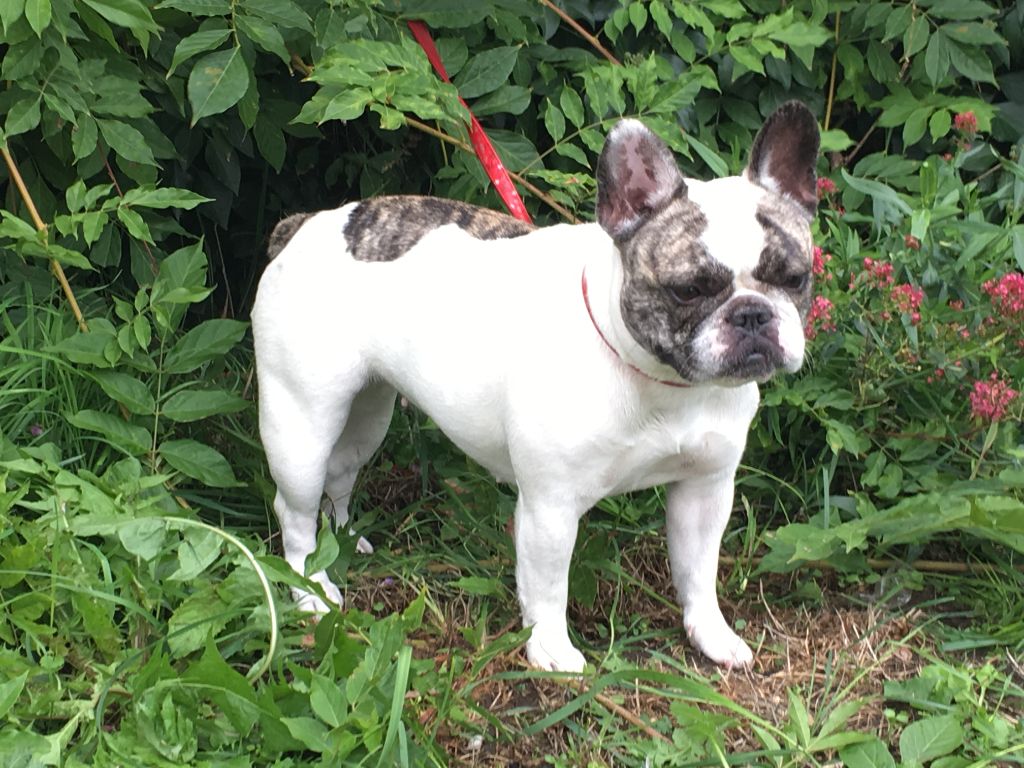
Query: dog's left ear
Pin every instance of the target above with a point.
(785, 153)
(636, 177)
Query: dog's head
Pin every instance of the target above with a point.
(716, 275)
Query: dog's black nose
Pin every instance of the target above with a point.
(751, 317)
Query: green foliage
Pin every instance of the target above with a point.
(161, 141)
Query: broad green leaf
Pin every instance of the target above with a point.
(270, 142)
(84, 137)
(196, 552)
(126, 140)
(554, 121)
(868, 754)
(198, 461)
(973, 33)
(347, 105)
(23, 115)
(217, 82)
(312, 733)
(939, 124)
(128, 437)
(207, 341)
(230, 692)
(747, 57)
(194, 404)
(265, 35)
(936, 58)
(143, 537)
(10, 690)
(971, 62)
(486, 71)
(510, 99)
(10, 12)
(199, 7)
(196, 619)
(714, 161)
(280, 13)
(572, 106)
(135, 224)
(929, 738)
(327, 699)
(196, 43)
(127, 390)
(326, 552)
(132, 14)
(915, 38)
(38, 13)
(452, 14)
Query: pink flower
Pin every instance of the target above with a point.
(819, 318)
(826, 187)
(1007, 294)
(990, 399)
(879, 273)
(966, 123)
(820, 260)
(907, 299)
(912, 242)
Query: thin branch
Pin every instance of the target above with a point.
(532, 188)
(583, 33)
(58, 270)
(930, 566)
(832, 76)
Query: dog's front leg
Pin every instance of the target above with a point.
(696, 516)
(545, 536)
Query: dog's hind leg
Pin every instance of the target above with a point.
(299, 430)
(364, 431)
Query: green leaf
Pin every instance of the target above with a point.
(199, 7)
(229, 691)
(194, 621)
(326, 552)
(486, 71)
(128, 437)
(217, 82)
(270, 141)
(135, 224)
(10, 690)
(200, 462)
(453, 14)
(143, 537)
(936, 58)
(915, 38)
(163, 197)
(312, 733)
(554, 121)
(747, 57)
(127, 390)
(38, 13)
(84, 137)
(132, 14)
(930, 738)
(510, 99)
(972, 63)
(265, 35)
(939, 124)
(572, 106)
(198, 549)
(126, 140)
(192, 404)
(207, 341)
(23, 116)
(973, 33)
(196, 43)
(868, 754)
(327, 699)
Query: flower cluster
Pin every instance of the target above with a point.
(826, 187)
(819, 318)
(908, 299)
(990, 399)
(820, 260)
(879, 273)
(966, 124)
(1007, 295)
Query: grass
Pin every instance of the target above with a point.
(132, 634)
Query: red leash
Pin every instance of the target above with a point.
(586, 300)
(484, 149)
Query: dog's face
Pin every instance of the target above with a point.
(716, 275)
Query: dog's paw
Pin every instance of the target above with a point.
(311, 603)
(554, 654)
(720, 644)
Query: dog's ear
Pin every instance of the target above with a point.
(785, 153)
(636, 177)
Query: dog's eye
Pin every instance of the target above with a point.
(795, 282)
(684, 294)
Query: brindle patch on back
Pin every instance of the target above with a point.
(385, 228)
(285, 231)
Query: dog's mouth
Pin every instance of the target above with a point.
(752, 358)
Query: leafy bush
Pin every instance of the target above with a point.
(161, 142)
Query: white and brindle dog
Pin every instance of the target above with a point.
(574, 362)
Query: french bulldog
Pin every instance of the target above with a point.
(572, 361)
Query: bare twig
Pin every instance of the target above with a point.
(832, 76)
(56, 268)
(583, 33)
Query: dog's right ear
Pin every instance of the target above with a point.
(636, 177)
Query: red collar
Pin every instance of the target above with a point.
(586, 300)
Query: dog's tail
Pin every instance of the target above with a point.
(284, 232)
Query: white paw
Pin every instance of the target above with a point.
(364, 547)
(310, 603)
(715, 640)
(553, 653)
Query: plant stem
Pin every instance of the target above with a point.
(583, 33)
(55, 266)
(832, 76)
